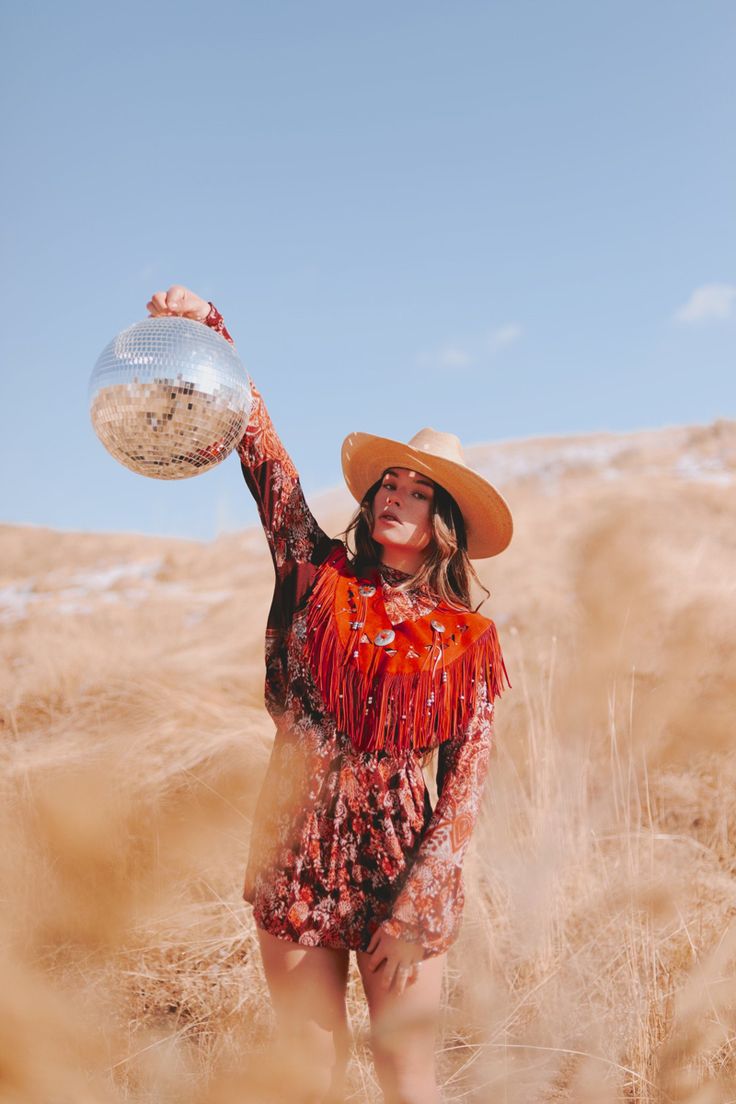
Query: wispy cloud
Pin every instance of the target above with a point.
(707, 302)
(503, 336)
(462, 354)
(448, 357)
(453, 356)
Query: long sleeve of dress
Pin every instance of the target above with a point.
(296, 542)
(429, 905)
(291, 530)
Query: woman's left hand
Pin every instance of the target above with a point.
(399, 957)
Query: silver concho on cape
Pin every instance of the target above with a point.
(169, 397)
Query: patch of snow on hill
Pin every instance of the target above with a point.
(704, 469)
(707, 455)
(509, 464)
(14, 601)
(85, 591)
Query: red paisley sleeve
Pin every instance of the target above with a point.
(428, 909)
(216, 322)
(291, 530)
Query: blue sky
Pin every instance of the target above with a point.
(501, 219)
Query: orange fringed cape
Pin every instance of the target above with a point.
(411, 685)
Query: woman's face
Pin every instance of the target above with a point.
(402, 509)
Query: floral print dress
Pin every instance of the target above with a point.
(345, 841)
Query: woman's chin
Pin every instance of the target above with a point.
(381, 539)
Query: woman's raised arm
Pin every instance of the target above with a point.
(291, 529)
(292, 532)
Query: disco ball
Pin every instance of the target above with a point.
(169, 397)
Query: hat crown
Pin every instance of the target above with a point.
(437, 443)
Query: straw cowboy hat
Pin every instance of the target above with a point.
(440, 457)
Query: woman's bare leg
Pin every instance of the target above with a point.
(307, 987)
(404, 1031)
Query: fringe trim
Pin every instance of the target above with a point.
(415, 709)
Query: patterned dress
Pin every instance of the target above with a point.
(345, 841)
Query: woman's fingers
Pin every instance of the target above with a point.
(377, 949)
(398, 975)
(377, 957)
(399, 970)
(178, 300)
(183, 301)
(395, 974)
(390, 969)
(402, 978)
(157, 303)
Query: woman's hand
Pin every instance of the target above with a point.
(399, 958)
(178, 300)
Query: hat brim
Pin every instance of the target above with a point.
(486, 514)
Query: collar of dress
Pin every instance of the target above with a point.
(413, 684)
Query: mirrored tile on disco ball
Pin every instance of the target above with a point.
(169, 398)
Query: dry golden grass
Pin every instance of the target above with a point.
(596, 960)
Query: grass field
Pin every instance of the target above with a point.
(597, 958)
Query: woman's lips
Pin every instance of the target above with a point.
(389, 517)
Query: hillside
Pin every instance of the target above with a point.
(603, 873)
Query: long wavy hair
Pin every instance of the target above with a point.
(446, 570)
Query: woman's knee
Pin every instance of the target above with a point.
(312, 1061)
(405, 1066)
(402, 1084)
(307, 986)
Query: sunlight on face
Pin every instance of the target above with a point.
(402, 508)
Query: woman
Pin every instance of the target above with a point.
(374, 659)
